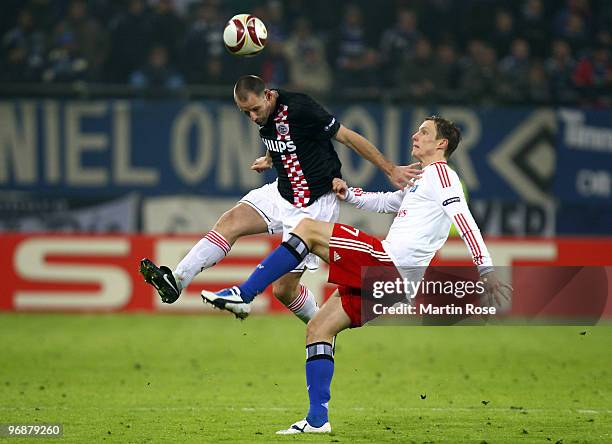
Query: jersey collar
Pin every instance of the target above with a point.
(442, 162)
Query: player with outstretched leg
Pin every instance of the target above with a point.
(425, 211)
(297, 133)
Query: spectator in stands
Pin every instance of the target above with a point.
(275, 65)
(503, 32)
(353, 60)
(593, 77)
(580, 8)
(438, 20)
(65, 61)
(604, 26)
(398, 43)
(419, 75)
(560, 69)
(157, 73)
(477, 17)
(167, 28)
(84, 38)
(67, 40)
(480, 76)
(23, 51)
(130, 41)
(573, 29)
(203, 52)
(276, 22)
(514, 72)
(535, 27)
(538, 86)
(449, 72)
(308, 67)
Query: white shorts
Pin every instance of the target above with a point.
(281, 216)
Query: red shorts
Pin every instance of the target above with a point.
(350, 249)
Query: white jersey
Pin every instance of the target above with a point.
(425, 212)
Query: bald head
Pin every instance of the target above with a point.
(247, 85)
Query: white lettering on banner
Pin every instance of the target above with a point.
(359, 120)
(18, 143)
(30, 263)
(583, 137)
(240, 144)
(123, 172)
(191, 170)
(593, 183)
(78, 142)
(496, 218)
(171, 251)
(51, 136)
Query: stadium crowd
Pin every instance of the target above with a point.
(470, 51)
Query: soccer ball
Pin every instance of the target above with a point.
(245, 35)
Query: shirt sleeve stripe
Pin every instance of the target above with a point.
(443, 175)
(469, 237)
(469, 233)
(478, 255)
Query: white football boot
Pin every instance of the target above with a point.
(228, 299)
(303, 427)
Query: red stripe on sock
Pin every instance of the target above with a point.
(218, 240)
(299, 302)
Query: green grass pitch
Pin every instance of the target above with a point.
(139, 378)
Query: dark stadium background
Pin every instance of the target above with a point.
(119, 139)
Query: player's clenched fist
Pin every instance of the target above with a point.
(339, 187)
(262, 163)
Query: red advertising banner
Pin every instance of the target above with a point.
(99, 273)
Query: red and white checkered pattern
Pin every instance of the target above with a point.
(299, 185)
(301, 191)
(281, 121)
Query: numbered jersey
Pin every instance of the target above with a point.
(298, 136)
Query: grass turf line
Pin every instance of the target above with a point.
(139, 378)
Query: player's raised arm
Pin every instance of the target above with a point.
(380, 202)
(399, 176)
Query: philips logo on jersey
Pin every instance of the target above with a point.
(279, 146)
(450, 201)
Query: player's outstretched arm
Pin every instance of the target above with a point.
(381, 202)
(399, 176)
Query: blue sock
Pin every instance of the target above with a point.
(319, 373)
(281, 261)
